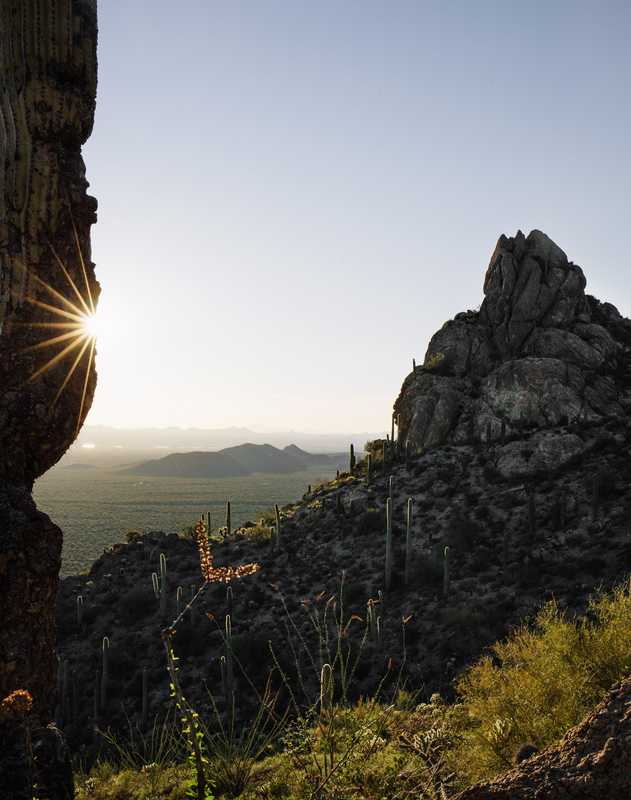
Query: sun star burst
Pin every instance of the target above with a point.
(72, 330)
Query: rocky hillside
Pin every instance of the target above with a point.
(514, 449)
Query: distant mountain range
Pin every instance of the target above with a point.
(178, 440)
(232, 462)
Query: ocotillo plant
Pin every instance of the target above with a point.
(446, 572)
(408, 540)
(105, 673)
(278, 525)
(352, 462)
(228, 519)
(326, 688)
(388, 576)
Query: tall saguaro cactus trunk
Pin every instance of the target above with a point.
(47, 284)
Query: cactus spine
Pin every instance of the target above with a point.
(388, 544)
(105, 673)
(352, 459)
(326, 688)
(446, 572)
(408, 540)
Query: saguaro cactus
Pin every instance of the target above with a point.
(105, 672)
(388, 576)
(351, 460)
(47, 99)
(408, 540)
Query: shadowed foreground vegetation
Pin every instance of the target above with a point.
(525, 694)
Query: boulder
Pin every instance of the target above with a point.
(540, 353)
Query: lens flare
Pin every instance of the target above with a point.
(73, 328)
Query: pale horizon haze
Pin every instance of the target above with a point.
(294, 196)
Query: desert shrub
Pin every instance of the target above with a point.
(541, 681)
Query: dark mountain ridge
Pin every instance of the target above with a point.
(244, 459)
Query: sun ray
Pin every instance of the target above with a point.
(73, 284)
(85, 383)
(63, 337)
(72, 370)
(85, 273)
(56, 359)
(54, 310)
(53, 325)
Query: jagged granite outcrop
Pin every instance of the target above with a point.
(592, 761)
(538, 353)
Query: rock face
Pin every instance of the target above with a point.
(592, 762)
(47, 285)
(539, 353)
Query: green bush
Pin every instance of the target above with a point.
(541, 681)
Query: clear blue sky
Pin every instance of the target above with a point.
(294, 195)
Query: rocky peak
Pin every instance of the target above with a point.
(539, 353)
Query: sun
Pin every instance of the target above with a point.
(91, 325)
(73, 329)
